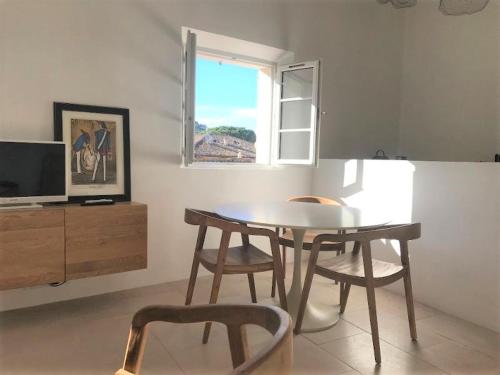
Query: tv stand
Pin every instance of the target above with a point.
(10, 206)
(53, 244)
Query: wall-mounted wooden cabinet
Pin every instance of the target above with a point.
(31, 247)
(47, 245)
(101, 241)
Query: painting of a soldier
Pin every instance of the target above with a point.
(94, 157)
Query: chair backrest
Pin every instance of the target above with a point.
(362, 239)
(205, 219)
(315, 199)
(402, 232)
(209, 219)
(275, 358)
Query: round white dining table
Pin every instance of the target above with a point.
(299, 217)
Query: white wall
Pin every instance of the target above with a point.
(450, 90)
(360, 44)
(128, 54)
(455, 263)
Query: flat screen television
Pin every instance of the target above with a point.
(32, 172)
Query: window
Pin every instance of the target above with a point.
(233, 102)
(241, 109)
(297, 140)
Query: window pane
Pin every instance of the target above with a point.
(226, 111)
(294, 145)
(297, 83)
(296, 114)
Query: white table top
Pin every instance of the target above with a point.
(299, 215)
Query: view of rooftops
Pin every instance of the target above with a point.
(226, 111)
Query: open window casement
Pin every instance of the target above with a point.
(298, 117)
(285, 111)
(189, 97)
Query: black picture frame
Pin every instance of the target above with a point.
(60, 108)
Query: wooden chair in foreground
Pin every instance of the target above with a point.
(275, 358)
(362, 270)
(244, 259)
(286, 238)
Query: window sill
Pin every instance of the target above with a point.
(233, 166)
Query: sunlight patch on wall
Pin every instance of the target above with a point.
(350, 172)
(386, 188)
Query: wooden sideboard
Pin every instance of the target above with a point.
(58, 243)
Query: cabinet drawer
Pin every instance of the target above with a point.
(31, 247)
(105, 239)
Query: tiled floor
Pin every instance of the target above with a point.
(88, 336)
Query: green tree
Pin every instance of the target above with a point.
(237, 132)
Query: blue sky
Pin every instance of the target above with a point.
(226, 95)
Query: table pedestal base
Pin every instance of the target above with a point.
(317, 316)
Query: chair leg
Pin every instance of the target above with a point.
(409, 305)
(251, 284)
(280, 281)
(278, 272)
(192, 279)
(370, 294)
(336, 281)
(283, 262)
(344, 295)
(273, 286)
(213, 299)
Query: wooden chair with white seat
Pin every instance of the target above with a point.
(286, 238)
(359, 268)
(244, 259)
(275, 358)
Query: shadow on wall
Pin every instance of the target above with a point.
(157, 73)
(151, 54)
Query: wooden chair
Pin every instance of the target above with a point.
(286, 238)
(244, 259)
(275, 358)
(362, 270)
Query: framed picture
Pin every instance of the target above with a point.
(98, 150)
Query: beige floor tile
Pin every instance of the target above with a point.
(91, 347)
(308, 358)
(387, 301)
(357, 351)
(231, 286)
(340, 330)
(95, 307)
(185, 336)
(465, 333)
(212, 358)
(257, 338)
(311, 359)
(395, 330)
(457, 359)
(88, 335)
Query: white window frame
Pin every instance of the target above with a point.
(189, 90)
(189, 95)
(315, 114)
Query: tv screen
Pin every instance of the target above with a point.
(32, 172)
